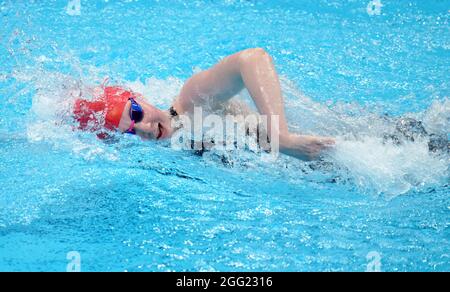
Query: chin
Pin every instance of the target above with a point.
(165, 135)
(166, 132)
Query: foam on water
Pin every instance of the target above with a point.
(393, 170)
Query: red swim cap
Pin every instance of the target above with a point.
(104, 112)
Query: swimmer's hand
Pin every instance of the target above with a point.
(305, 147)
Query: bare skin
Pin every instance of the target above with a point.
(252, 69)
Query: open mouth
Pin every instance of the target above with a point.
(160, 131)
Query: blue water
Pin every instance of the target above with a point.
(141, 206)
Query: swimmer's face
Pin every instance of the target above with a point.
(155, 125)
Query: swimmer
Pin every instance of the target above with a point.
(115, 108)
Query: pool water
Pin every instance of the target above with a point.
(346, 71)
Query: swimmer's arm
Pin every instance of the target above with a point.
(252, 69)
(217, 85)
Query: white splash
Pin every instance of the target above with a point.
(374, 166)
(389, 169)
(159, 92)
